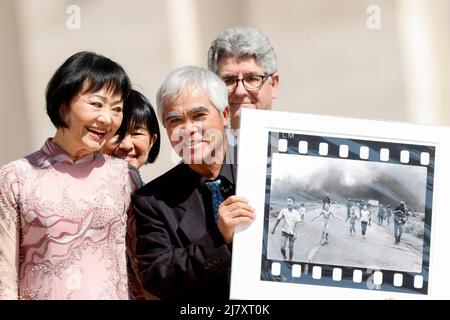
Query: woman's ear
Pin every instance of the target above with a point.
(153, 140)
(63, 112)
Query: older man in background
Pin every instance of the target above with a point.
(245, 60)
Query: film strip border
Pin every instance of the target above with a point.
(345, 276)
(353, 149)
(341, 276)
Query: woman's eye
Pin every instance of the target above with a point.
(96, 104)
(118, 109)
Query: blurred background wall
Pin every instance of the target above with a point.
(384, 59)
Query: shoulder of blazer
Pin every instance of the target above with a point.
(176, 181)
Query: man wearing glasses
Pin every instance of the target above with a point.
(246, 61)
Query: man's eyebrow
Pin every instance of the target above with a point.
(245, 74)
(171, 115)
(228, 75)
(199, 109)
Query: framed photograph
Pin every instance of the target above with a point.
(346, 208)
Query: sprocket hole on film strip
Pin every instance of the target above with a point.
(343, 152)
(337, 275)
(334, 245)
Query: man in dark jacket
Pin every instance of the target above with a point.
(186, 217)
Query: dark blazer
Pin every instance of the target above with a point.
(180, 255)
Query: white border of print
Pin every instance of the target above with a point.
(252, 160)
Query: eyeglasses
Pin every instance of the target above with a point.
(251, 82)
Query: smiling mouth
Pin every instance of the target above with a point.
(128, 157)
(98, 134)
(193, 144)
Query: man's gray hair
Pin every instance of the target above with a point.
(241, 42)
(193, 78)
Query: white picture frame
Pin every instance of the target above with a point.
(256, 274)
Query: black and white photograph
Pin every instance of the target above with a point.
(347, 203)
(344, 210)
(347, 212)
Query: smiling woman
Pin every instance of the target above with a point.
(138, 139)
(64, 208)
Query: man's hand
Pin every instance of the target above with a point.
(232, 212)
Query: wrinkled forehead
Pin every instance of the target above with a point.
(181, 93)
(187, 99)
(243, 64)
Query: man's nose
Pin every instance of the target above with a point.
(192, 126)
(240, 89)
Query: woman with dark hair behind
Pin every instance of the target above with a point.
(138, 139)
(137, 142)
(63, 209)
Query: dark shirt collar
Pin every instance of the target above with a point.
(227, 175)
(227, 171)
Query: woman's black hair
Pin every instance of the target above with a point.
(139, 113)
(84, 71)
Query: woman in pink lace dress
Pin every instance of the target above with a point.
(63, 209)
(138, 142)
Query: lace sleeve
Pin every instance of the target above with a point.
(9, 233)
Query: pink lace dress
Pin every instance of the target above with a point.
(63, 226)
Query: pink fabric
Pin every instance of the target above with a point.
(63, 226)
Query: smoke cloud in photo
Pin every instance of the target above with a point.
(310, 178)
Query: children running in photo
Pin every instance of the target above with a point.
(365, 220)
(388, 215)
(291, 218)
(302, 211)
(326, 213)
(352, 217)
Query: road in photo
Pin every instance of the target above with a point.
(376, 251)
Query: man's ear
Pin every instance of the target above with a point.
(274, 84)
(226, 116)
